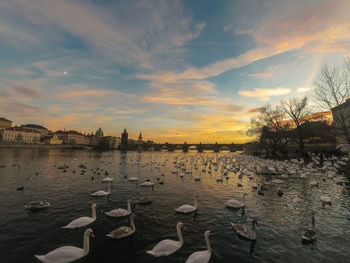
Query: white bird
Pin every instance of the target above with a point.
(244, 231)
(107, 179)
(188, 208)
(84, 220)
(167, 247)
(120, 212)
(102, 193)
(67, 254)
(233, 203)
(123, 231)
(201, 256)
(197, 178)
(314, 183)
(325, 200)
(133, 179)
(309, 233)
(147, 184)
(255, 185)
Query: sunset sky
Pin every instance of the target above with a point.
(175, 70)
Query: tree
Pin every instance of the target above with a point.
(297, 110)
(270, 129)
(332, 91)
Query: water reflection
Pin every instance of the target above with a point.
(281, 218)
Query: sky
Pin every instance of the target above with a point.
(194, 71)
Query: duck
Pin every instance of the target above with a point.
(84, 220)
(120, 212)
(107, 179)
(67, 254)
(279, 192)
(102, 193)
(188, 208)
(123, 231)
(167, 247)
(37, 205)
(246, 232)
(308, 234)
(233, 203)
(202, 256)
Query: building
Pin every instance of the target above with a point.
(5, 123)
(42, 130)
(20, 135)
(124, 139)
(341, 122)
(72, 137)
(99, 133)
(139, 140)
(52, 139)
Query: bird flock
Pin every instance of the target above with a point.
(275, 176)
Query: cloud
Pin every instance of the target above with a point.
(305, 89)
(255, 110)
(264, 94)
(23, 90)
(261, 75)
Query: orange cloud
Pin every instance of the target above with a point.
(264, 94)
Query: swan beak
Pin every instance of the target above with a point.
(92, 235)
(212, 233)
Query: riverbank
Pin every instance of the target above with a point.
(47, 146)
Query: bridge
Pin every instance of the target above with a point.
(185, 147)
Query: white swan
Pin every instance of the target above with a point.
(123, 231)
(167, 247)
(133, 179)
(147, 184)
(188, 208)
(84, 220)
(233, 203)
(119, 212)
(102, 193)
(201, 256)
(67, 253)
(325, 200)
(107, 179)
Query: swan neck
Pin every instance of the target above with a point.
(129, 206)
(86, 243)
(109, 188)
(313, 221)
(93, 212)
(132, 225)
(178, 228)
(195, 201)
(207, 241)
(244, 199)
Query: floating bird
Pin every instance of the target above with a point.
(67, 253)
(143, 200)
(83, 221)
(279, 192)
(102, 193)
(325, 200)
(120, 212)
(188, 208)
(167, 247)
(107, 179)
(123, 231)
(201, 256)
(37, 205)
(20, 188)
(308, 234)
(233, 203)
(246, 232)
(133, 179)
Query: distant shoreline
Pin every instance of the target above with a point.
(44, 146)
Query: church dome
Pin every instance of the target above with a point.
(99, 132)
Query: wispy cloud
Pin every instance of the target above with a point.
(264, 94)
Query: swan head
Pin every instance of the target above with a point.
(89, 232)
(209, 233)
(180, 224)
(94, 205)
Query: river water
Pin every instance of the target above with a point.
(24, 234)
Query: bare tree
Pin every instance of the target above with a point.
(297, 110)
(332, 91)
(270, 129)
